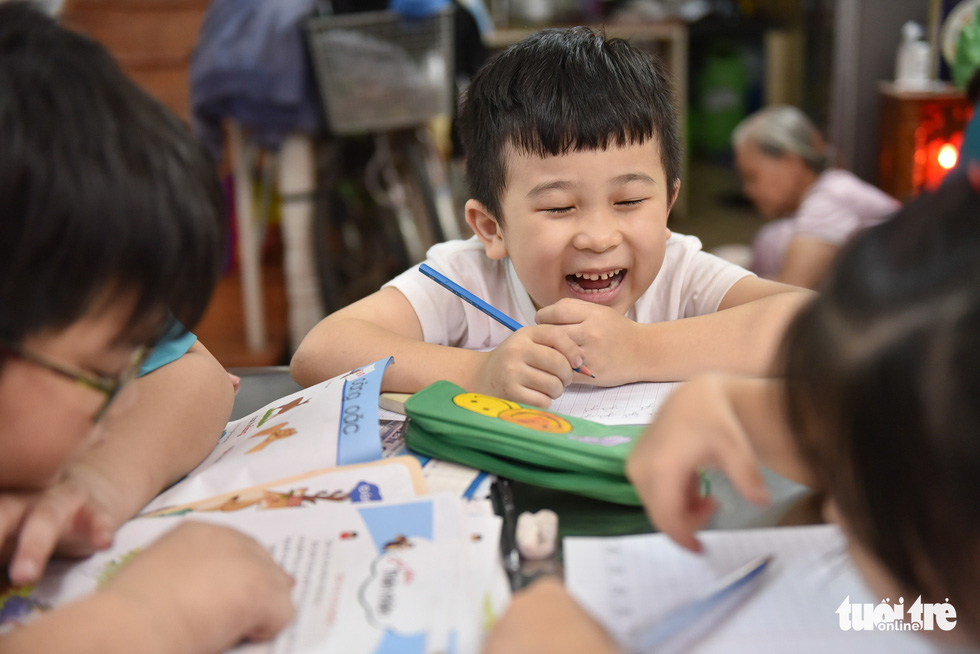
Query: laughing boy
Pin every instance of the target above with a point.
(573, 163)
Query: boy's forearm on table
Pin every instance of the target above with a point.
(353, 342)
(97, 624)
(743, 340)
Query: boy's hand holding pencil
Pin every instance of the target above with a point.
(533, 366)
(608, 340)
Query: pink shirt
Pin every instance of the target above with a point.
(835, 207)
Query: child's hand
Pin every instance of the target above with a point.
(697, 428)
(606, 338)
(533, 365)
(204, 588)
(544, 618)
(68, 516)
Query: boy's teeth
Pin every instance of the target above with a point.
(596, 277)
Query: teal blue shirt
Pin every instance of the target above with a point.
(970, 150)
(174, 343)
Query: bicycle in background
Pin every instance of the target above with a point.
(384, 188)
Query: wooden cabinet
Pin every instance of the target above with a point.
(151, 39)
(915, 125)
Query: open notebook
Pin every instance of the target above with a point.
(629, 404)
(630, 582)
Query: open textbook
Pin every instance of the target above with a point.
(381, 567)
(417, 576)
(328, 424)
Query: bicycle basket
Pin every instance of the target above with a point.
(378, 70)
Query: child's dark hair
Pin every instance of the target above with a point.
(102, 189)
(563, 90)
(883, 379)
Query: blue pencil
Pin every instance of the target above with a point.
(483, 306)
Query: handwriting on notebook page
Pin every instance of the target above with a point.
(630, 404)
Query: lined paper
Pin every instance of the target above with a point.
(630, 404)
(630, 581)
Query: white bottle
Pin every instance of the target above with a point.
(912, 59)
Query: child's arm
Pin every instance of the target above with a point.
(713, 421)
(742, 337)
(544, 619)
(533, 365)
(807, 261)
(199, 589)
(170, 420)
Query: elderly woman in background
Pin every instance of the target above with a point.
(811, 209)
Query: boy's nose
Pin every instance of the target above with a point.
(599, 233)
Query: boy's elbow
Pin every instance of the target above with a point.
(299, 368)
(306, 367)
(214, 381)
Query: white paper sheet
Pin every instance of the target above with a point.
(630, 404)
(329, 424)
(416, 577)
(627, 582)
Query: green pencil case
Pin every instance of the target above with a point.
(522, 442)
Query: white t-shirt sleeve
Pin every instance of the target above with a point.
(444, 317)
(691, 282)
(439, 311)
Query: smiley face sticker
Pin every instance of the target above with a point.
(484, 404)
(495, 407)
(537, 420)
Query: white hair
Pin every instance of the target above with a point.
(781, 130)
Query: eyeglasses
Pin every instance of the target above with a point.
(108, 386)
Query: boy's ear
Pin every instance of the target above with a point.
(674, 194)
(486, 228)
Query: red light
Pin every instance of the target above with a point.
(937, 141)
(947, 156)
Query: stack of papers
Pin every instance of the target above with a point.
(415, 577)
(380, 564)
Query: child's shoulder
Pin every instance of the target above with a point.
(685, 260)
(679, 245)
(460, 254)
(461, 247)
(687, 265)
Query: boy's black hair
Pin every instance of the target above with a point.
(883, 379)
(102, 189)
(562, 90)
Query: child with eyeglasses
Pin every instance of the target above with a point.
(112, 231)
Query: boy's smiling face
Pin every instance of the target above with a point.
(589, 224)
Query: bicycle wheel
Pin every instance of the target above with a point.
(426, 180)
(357, 246)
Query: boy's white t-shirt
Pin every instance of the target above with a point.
(691, 282)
